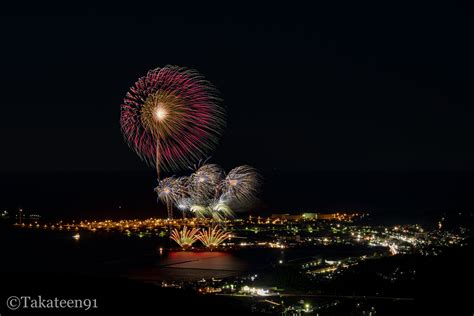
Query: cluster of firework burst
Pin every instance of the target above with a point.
(210, 238)
(209, 192)
(171, 118)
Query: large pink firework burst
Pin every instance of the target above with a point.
(171, 117)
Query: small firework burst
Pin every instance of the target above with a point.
(241, 184)
(221, 210)
(200, 211)
(170, 191)
(204, 181)
(184, 204)
(185, 238)
(213, 237)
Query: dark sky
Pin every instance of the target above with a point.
(375, 87)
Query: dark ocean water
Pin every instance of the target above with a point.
(114, 255)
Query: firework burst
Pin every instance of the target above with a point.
(171, 117)
(241, 184)
(170, 191)
(212, 237)
(185, 238)
(204, 181)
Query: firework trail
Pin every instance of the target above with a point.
(171, 117)
(212, 237)
(185, 238)
(241, 184)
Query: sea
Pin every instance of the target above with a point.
(149, 258)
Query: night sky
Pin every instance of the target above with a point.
(354, 88)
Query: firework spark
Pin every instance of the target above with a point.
(212, 237)
(185, 238)
(241, 184)
(171, 117)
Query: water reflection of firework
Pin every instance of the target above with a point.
(213, 237)
(185, 238)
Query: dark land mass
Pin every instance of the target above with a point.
(31, 264)
(115, 296)
(441, 286)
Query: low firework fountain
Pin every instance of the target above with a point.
(185, 238)
(213, 237)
